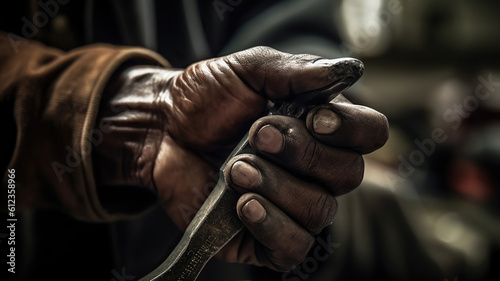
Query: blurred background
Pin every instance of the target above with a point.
(428, 208)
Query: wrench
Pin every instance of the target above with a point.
(217, 222)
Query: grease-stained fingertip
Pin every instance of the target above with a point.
(269, 139)
(347, 67)
(245, 175)
(325, 122)
(341, 68)
(253, 211)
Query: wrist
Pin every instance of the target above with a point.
(124, 159)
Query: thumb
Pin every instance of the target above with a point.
(213, 102)
(278, 75)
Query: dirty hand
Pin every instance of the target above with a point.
(173, 128)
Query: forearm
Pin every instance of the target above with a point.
(53, 99)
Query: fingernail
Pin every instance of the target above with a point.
(325, 122)
(245, 175)
(254, 211)
(269, 139)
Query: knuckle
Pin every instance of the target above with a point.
(263, 52)
(348, 176)
(310, 156)
(356, 173)
(263, 49)
(290, 256)
(379, 130)
(321, 215)
(384, 130)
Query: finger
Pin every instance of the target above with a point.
(283, 243)
(308, 204)
(286, 142)
(277, 75)
(346, 125)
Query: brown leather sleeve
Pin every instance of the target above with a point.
(49, 101)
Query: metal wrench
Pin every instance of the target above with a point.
(217, 222)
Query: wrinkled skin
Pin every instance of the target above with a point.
(173, 128)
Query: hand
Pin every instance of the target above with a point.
(172, 129)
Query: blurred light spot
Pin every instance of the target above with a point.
(449, 228)
(363, 22)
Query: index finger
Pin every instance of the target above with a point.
(346, 125)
